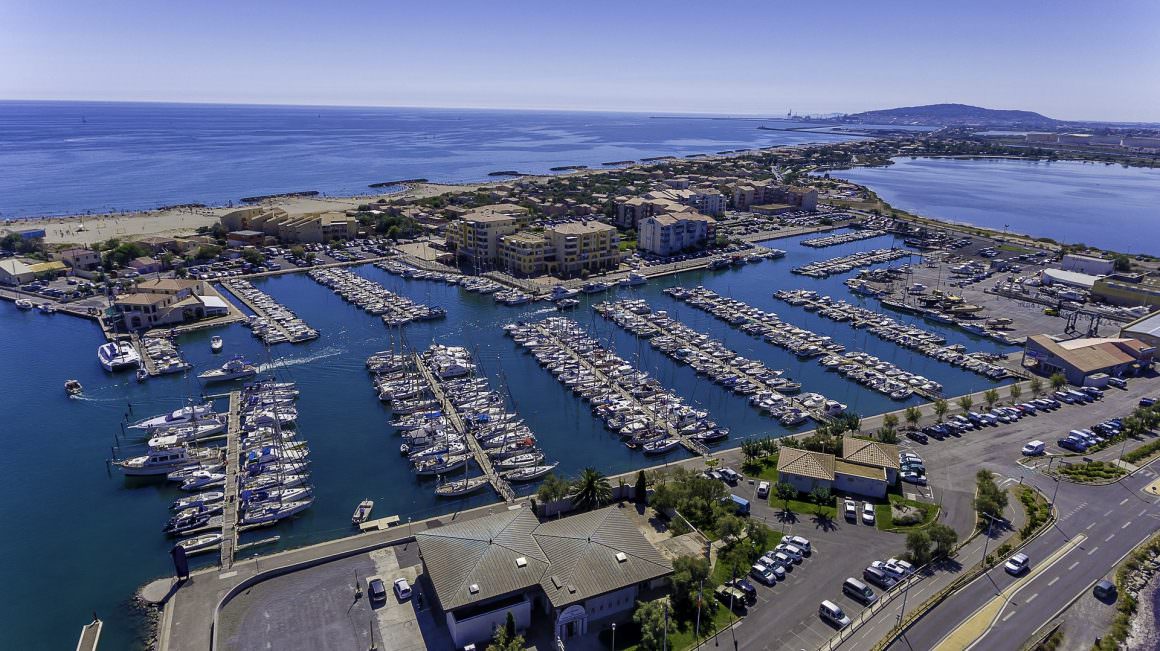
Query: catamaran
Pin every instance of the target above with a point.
(118, 355)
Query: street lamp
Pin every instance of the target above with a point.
(613, 636)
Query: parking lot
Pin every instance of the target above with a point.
(318, 608)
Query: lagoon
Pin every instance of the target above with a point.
(1101, 205)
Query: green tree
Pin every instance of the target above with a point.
(505, 641)
(943, 537)
(913, 415)
(297, 251)
(1121, 262)
(990, 396)
(729, 526)
(1015, 391)
(1036, 386)
(510, 626)
(650, 616)
(686, 581)
(918, 546)
(208, 251)
(941, 408)
(889, 422)
(1058, 381)
(552, 489)
(820, 495)
(640, 491)
(785, 493)
(989, 498)
(965, 403)
(253, 256)
(591, 490)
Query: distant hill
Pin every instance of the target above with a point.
(953, 115)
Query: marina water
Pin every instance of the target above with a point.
(79, 537)
(1102, 205)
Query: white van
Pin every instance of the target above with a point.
(763, 489)
(832, 614)
(1034, 448)
(859, 591)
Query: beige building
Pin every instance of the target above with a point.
(630, 211)
(671, 233)
(312, 227)
(79, 258)
(17, 271)
(584, 246)
(168, 301)
(1126, 293)
(749, 195)
(527, 253)
(475, 236)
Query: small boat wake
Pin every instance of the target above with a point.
(545, 310)
(285, 362)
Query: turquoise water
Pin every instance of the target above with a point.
(1106, 206)
(78, 538)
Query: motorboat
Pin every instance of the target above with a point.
(187, 434)
(47, 308)
(216, 344)
(207, 497)
(529, 473)
(660, 446)
(252, 498)
(156, 462)
(176, 417)
(235, 369)
(198, 544)
(269, 513)
(73, 387)
(203, 479)
(118, 355)
(560, 291)
(186, 523)
(362, 513)
(23, 304)
(566, 303)
(142, 374)
(633, 279)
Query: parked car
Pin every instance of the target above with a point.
(878, 577)
(833, 615)
(859, 591)
(1074, 445)
(763, 489)
(762, 574)
(376, 590)
(1104, 590)
(918, 436)
(867, 513)
(792, 551)
(912, 477)
(1034, 448)
(851, 510)
(402, 589)
(1119, 383)
(746, 587)
(801, 543)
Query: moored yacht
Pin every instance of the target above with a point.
(118, 355)
(235, 369)
(216, 344)
(157, 462)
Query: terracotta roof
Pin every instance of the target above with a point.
(858, 470)
(805, 463)
(870, 453)
(1085, 355)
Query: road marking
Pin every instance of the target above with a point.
(1072, 566)
(1089, 526)
(1124, 501)
(1031, 598)
(1142, 512)
(974, 627)
(1110, 510)
(1127, 524)
(1109, 538)
(1009, 615)
(1052, 582)
(1093, 550)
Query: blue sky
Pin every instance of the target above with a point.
(1066, 59)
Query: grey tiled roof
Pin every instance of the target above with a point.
(572, 559)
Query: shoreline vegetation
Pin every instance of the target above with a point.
(89, 228)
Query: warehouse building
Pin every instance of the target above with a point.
(1079, 359)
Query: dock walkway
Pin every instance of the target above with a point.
(274, 323)
(452, 413)
(233, 461)
(146, 358)
(695, 447)
(649, 318)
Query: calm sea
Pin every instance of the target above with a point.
(71, 157)
(1107, 206)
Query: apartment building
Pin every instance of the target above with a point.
(561, 249)
(753, 194)
(672, 233)
(527, 253)
(630, 211)
(314, 227)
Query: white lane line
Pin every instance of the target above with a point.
(1089, 526)
(1141, 513)
(1110, 511)
(1093, 550)
(1008, 616)
(1109, 538)
(1052, 582)
(1031, 598)
(1124, 501)
(1072, 566)
(1127, 524)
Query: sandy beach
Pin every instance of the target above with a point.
(185, 220)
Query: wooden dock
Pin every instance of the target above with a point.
(696, 447)
(261, 313)
(500, 485)
(817, 414)
(90, 636)
(233, 462)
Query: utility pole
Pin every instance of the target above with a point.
(700, 595)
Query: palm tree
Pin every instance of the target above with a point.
(966, 402)
(1015, 392)
(1036, 386)
(889, 422)
(941, 408)
(591, 489)
(990, 396)
(1058, 381)
(552, 489)
(913, 415)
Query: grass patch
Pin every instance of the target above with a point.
(761, 468)
(884, 520)
(1013, 249)
(1093, 471)
(1143, 453)
(805, 508)
(681, 634)
(1036, 508)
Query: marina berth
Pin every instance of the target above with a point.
(843, 264)
(405, 270)
(375, 299)
(272, 322)
(162, 357)
(629, 401)
(712, 359)
(843, 238)
(928, 343)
